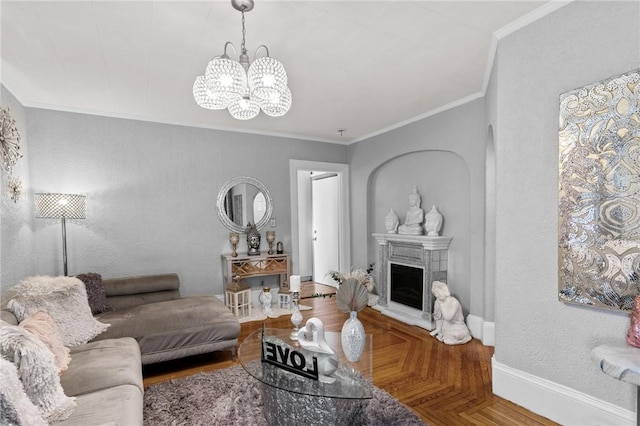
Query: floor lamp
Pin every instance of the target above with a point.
(61, 206)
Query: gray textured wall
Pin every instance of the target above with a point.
(16, 220)
(444, 156)
(579, 44)
(151, 193)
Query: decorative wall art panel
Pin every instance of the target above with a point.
(599, 202)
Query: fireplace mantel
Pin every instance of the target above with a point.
(429, 243)
(419, 251)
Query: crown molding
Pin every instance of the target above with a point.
(497, 35)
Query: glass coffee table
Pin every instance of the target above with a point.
(291, 399)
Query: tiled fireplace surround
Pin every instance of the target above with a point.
(427, 253)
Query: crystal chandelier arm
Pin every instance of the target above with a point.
(262, 46)
(225, 50)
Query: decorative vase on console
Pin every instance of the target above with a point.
(352, 297)
(253, 239)
(234, 239)
(433, 222)
(271, 237)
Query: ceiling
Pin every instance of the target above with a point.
(361, 66)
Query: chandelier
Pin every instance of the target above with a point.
(242, 87)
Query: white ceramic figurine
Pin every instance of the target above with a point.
(448, 316)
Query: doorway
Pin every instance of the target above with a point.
(302, 251)
(325, 192)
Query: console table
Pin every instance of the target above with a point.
(257, 266)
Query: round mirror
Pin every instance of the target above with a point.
(242, 200)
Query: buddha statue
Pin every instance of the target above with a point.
(450, 327)
(253, 239)
(415, 216)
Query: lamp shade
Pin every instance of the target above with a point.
(244, 109)
(56, 206)
(277, 104)
(266, 76)
(225, 80)
(201, 95)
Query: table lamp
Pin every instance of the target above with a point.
(61, 206)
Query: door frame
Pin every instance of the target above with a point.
(344, 219)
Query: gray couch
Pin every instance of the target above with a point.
(105, 377)
(150, 323)
(167, 326)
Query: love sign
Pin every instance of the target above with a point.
(289, 359)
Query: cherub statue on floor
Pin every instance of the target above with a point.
(447, 314)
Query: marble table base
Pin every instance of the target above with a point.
(284, 408)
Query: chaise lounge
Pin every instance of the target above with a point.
(167, 326)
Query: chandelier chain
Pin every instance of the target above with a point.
(244, 33)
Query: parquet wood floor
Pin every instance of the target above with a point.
(444, 385)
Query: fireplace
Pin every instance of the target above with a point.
(408, 266)
(406, 285)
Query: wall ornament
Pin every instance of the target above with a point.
(599, 193)
(9, 141)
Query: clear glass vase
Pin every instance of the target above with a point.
(353, 338)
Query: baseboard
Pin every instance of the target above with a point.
(489, 334)
(554, 401)
(482, 330)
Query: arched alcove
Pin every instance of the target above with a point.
(442, 178)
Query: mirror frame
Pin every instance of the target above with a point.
(224, 218)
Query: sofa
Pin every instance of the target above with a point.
(149, 322)
(167, 326)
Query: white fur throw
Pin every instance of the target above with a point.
(64, 299)
(16, 407)
(37, 371)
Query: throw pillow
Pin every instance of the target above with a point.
(95, 292)
(37, 371)
(42, 326)
(15, 406)
(64, 299)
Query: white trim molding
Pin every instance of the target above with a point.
(559, 403)
(482, 330)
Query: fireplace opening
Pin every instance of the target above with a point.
(406, 285)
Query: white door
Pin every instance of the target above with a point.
(326, 246)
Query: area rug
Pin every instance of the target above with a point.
(231, 397)
(257, 314)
